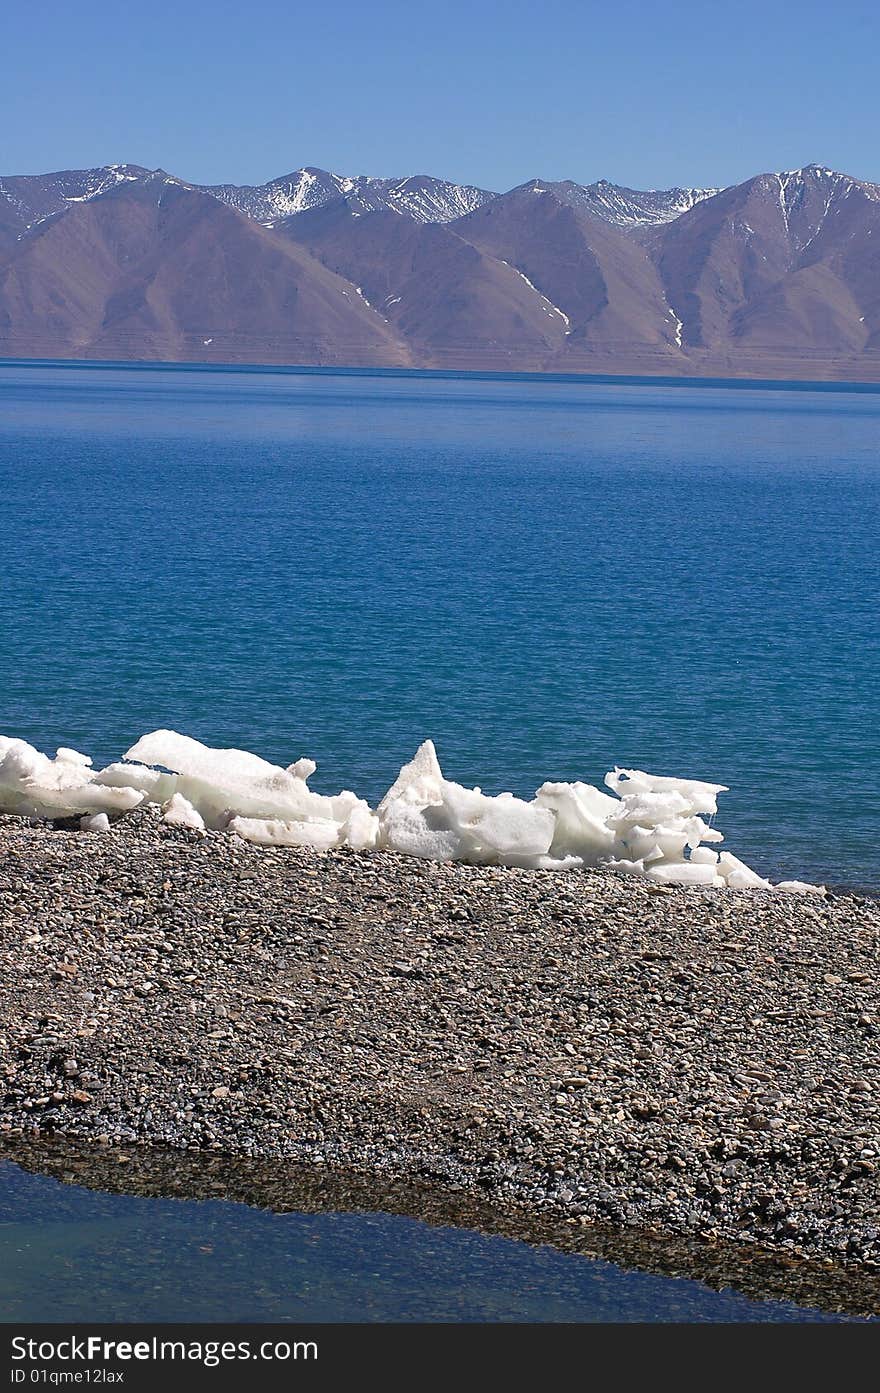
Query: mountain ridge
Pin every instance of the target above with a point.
(421, 196)
(776, 276)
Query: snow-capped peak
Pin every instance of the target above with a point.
(806, 197)
(283, 197)
(620, 206)
(38, 197)
(805, 194)
(419, 196)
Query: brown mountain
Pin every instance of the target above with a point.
(775, 277)
(154, 269)
(784, 269)
(596, 274)
(454, 304)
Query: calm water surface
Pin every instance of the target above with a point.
(546, 577)
(70, 1254)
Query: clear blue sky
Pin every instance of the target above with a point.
(648, 94)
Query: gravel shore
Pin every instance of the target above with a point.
(575, 1046)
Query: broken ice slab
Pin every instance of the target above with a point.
(652, 827)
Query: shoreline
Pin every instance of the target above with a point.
(153, 1172)
(581, 1049)
(740, 382)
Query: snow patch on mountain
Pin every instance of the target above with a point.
(283, 197)
(420, 197)
(679, 326)
(620, 206)
(98, 181)
(549, 303)
(808, 196)
(430, 200)
(38, 197)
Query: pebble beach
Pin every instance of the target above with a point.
(579, 1047)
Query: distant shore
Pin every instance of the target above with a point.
(701, 1065)
(623, 377)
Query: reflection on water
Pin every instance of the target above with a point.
(68, 1253)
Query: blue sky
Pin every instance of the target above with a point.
(489, 93)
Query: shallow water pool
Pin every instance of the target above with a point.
(68, 1253)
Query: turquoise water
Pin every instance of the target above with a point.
(71, 1254)
(546, 577)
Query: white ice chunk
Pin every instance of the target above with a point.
(419, 832)
(158, 787)
(95, 822)
(699, 831)
(33, 785)
(625, 867)
(581, 814)
(177, 812)
(303, 768)
(801, 887)
(361, 831)
(496, 828)
(185, 755)
(655, 825)
(698, 796)
(683, 873)
(738, 875)
(322, 835)
(423, 814)
(418, 782)
(219, 781)
(649, 843)
(703, 856)
(411, 818)
(66, 756)
(545, 863)
(343, 804)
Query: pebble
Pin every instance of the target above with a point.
(673, 1059)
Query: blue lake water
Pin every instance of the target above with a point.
(547, 577)
(69, 1254)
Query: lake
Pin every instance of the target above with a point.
(547, 577)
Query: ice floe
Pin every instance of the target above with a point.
(647, 825)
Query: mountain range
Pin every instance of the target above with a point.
(776, 277)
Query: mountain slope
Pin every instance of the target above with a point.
(28, 199)
(449, 300)
(151, 269)
(599, 278)
(782, 262)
